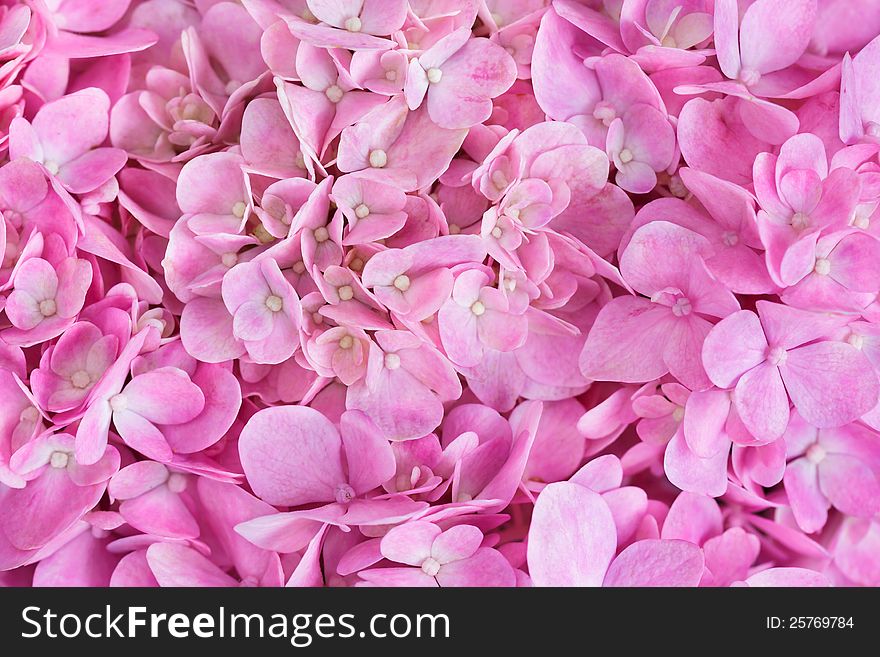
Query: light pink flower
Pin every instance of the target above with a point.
(478, 316)
(783, 353)
(830, 467)
(583, 554)
(801, 201)
(46, 299)
(439, 558)
(459, 76)
(406, 384)
(71, 368)
(638, 339)
(265, 310)
(59, 489)
(66, 136)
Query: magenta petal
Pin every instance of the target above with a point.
(704, 419)
(691, 473)
(487, 567)
(176, 565)
(657, 563)
(734, 346)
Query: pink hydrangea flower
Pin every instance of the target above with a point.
(439, 293)
(637, 339)
(65, 137)
(45, 299)
(780, 354)
(265, 310)
(830, 467)
(459, 76)
(439, 558)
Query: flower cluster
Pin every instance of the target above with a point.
(439, 292)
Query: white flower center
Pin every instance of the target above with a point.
(353, 24)
(861, 221)
(391, 75)
(497, 232)
(321, 234)
(346, 293)
(816, 453)
(176, 482)
(334, 93)
(477, 308)
(626, 156)
(823, 266)
(59, 459)
(678, 414)
(402, 282)
(239, 209)
(378, 159)
(605, 113)
(80, 379)
(800, 220)
(392, 361)
(430, 566)
(499, 179)
(749, 77)
(730, 238)
(362, 211)
(274, 303)
(48, 307)
(777, 356)
(347, 342)
(682, 307)
(229, 259)
(434, 75)
(299, 267)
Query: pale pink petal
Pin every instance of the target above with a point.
(292, 455)
(572, 538)
(818, 378)
(657, 563)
